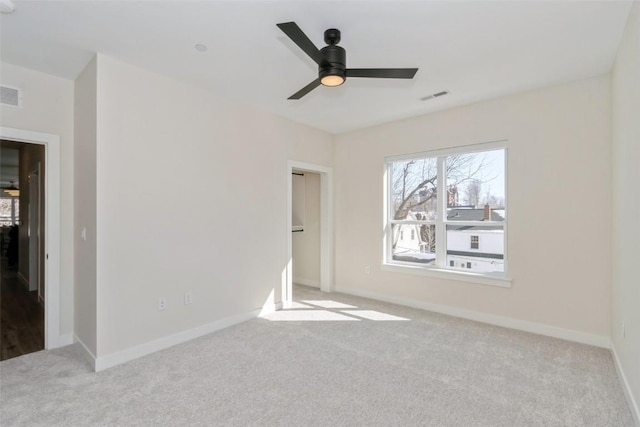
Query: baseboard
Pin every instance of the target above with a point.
(306, 282)
(507, 322)
(270, 308)
(111, 360)
(64, 340)
(633, 405)
(88, 354)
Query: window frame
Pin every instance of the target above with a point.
(474, 242)
(440, 267)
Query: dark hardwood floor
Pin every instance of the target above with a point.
(21, 316)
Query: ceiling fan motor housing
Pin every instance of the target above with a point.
(337, 59)
(332, 61)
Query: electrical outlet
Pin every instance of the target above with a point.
(188, 298)
(367, 270)
(162, 304)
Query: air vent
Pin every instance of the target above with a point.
(10, 96)
(435, 95)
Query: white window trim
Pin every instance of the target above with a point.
(442, 273)
(438, 271)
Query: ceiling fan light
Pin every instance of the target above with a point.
(332, 80)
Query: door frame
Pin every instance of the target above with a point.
(35, 272)
(52, 338)
(326, 227)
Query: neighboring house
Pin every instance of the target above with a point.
(410, 244)
(477, 248)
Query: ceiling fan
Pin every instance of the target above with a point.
(332, 61)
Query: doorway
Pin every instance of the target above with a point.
(50, 178)
(324, 224)
(305, 237)
(22, 312)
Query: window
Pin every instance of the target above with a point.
(9, 211)
(449, 200)
(475, 242)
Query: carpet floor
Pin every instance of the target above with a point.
(331, 360)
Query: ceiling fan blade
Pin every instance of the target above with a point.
(382, 73)
(294, 32)
(305, 90)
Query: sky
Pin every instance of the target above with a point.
(492, 174)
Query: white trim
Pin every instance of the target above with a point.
(439, 268)
(492, 319)
(88, 355)
(326, 228)
(52, 338)
(66, 339)
(270, 308)
(442, 273)
(471, 148)
(633, 405)
(441, 214)
(132, 353)
(306, 282)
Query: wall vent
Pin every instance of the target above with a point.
(10, 96)
(435, 95)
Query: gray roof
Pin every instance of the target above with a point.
(465, 214)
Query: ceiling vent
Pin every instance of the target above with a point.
(10, 96)
(435, 95)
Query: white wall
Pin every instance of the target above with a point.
(179, 172)
(305, 245)
(559, 184)
(85, 208)
(626, 205)
(47, 106)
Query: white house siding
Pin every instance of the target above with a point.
(490, 242)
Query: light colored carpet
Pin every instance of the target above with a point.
(333, 360)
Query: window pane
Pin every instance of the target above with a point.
(5, 212)
(413, 189)
(475, 180)
(476, 248)
(420, 249)
(5, 206)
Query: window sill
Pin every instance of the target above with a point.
(441, 273)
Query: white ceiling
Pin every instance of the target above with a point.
(475, 49)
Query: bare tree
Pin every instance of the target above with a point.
(493, 201)
(428, 236)
(415, 188)
(472, 192)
